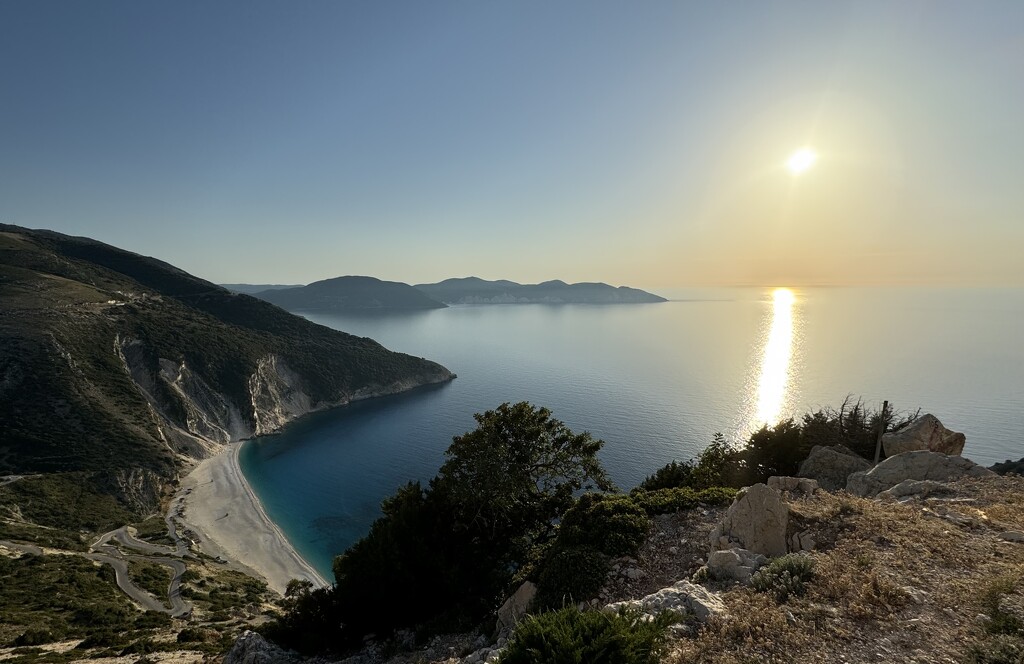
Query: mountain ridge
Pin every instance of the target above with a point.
(474, 290)
(349, 292)
(128, 369)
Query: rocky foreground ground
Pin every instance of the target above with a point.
(918, 573)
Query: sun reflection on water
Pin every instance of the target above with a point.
(775, 363)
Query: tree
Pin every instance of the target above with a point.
(517, 472)
(450, 550)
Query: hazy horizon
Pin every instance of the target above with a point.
(640, 145)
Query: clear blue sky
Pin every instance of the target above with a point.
(636, 143)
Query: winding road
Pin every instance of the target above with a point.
(103, 551)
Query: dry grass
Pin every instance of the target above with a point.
(893, 582)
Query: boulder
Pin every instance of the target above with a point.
(919, 465)
(516, 606)
(251, 648)
(831, 466)
(682, 596)
(757, 520)
(793, 484)
(802, 541)
(734, 564)
(924, 433)
(912, 488)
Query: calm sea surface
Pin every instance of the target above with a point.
(655, 382)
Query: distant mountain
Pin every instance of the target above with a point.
(473, 290)
(252, 289)
(343, 293)
(124, 369)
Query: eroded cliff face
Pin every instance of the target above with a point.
(277, 395)
(195, 421)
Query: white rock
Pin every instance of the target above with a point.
(831, 466)
(924, 433)
(919, 465)
(757, 520)
(793, 484)
(516, 606)
(683, 596)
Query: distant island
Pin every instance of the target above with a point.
(368, 293)
(473, 290)
(349, 292)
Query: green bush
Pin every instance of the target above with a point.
(569, 636)
(614, 524)
(784, 576)
(570, 576)
(1001, 622)
(998, 649)
(194, 635)
(778, 449)
(667, 501)
(675, 474)
(34, 636)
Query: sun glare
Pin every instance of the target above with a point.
(801, 160)
(771, 390)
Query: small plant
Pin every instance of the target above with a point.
(1002, 622)
(570, 636)
(784, 576)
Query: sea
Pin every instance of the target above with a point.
(655, 382)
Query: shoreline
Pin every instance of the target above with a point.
(228, 521)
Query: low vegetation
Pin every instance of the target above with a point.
(569, 636)
(784, 576)
(151, 577)
(779, 449)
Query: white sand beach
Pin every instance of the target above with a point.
(225, 514)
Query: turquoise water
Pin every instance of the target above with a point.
(655, 382)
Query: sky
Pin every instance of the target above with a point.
(632, 143)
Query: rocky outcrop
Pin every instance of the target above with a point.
(683, 596)
(251, 648)
(906, 488)
(919, 465)
(277, 395)
(516, 606)
(757, 520)
(831, 466)
(734, 564)
(799, 485)
(924, 433)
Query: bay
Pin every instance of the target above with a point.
(655, 382)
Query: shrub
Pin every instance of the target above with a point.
(675, 474)
(613, 524)
(666, 501)
(779, 449)
(999, 649)
(570, 576)
(784, 576)
(140, 647)
(193, 635)
(569, 636)
(35, 636)
(1001, 621)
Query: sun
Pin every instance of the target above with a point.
(801, 160)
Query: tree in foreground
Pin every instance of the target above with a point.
(441, 557)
